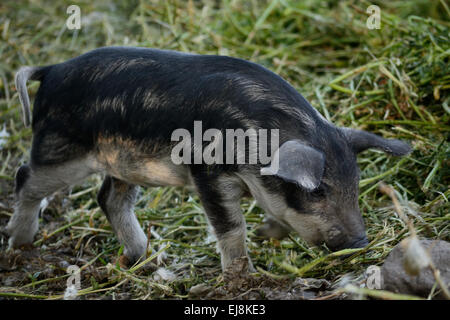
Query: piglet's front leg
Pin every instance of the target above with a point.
(221, 199)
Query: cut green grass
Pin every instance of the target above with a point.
(393, 82)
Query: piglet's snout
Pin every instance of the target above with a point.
(354, 243)
(358, 243)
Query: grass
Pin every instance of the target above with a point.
(393, 81)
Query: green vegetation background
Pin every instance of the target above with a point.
(393, 81)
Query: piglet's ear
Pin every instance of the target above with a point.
(361, 140)
(297, 163)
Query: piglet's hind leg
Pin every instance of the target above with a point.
(33, 184)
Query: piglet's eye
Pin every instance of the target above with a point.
(319, 192)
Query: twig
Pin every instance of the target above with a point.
(380, 294)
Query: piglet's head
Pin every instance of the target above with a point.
(320, 185)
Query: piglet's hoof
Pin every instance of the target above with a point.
(239, 267)
(124, 262)
(237, 276)
(27, 246)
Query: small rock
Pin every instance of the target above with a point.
(396, 279)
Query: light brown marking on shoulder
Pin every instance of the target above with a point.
(110, 151)
(125, 160)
